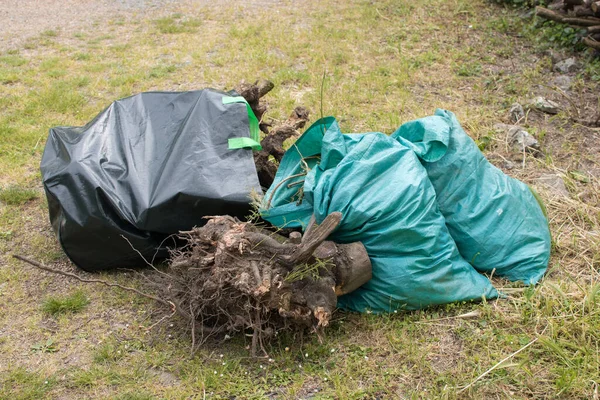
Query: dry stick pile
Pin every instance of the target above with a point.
(578, 13)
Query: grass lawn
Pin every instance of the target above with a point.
(385, 62)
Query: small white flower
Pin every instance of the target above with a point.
(221, 375)
(306, 355)
(271, 360)
(287, 349)
(325, 379)
(215, 372)
(366, 357)
(220, 355)
(224, 363)
(45, 382)
(333, 350)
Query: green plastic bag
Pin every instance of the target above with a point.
(388, 204)
(496, 220)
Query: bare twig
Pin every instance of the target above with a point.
(144, 258)
(161, 320)
(70, 275)
(381, 15)
(472, 314)
(281, 183)
(256, 330)
(193, 323)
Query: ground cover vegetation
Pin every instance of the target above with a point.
(384, 63)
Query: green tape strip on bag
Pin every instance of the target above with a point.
(253, 141)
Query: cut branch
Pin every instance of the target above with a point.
(315, 237)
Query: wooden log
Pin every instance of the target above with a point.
(594, 44)
(549, 14)
(559, 17)
(594, 29)
(589, 21)
(352, 267)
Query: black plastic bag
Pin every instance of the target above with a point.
(145, 168)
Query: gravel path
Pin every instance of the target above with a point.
(23, 19)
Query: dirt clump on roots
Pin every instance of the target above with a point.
(234, 276)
